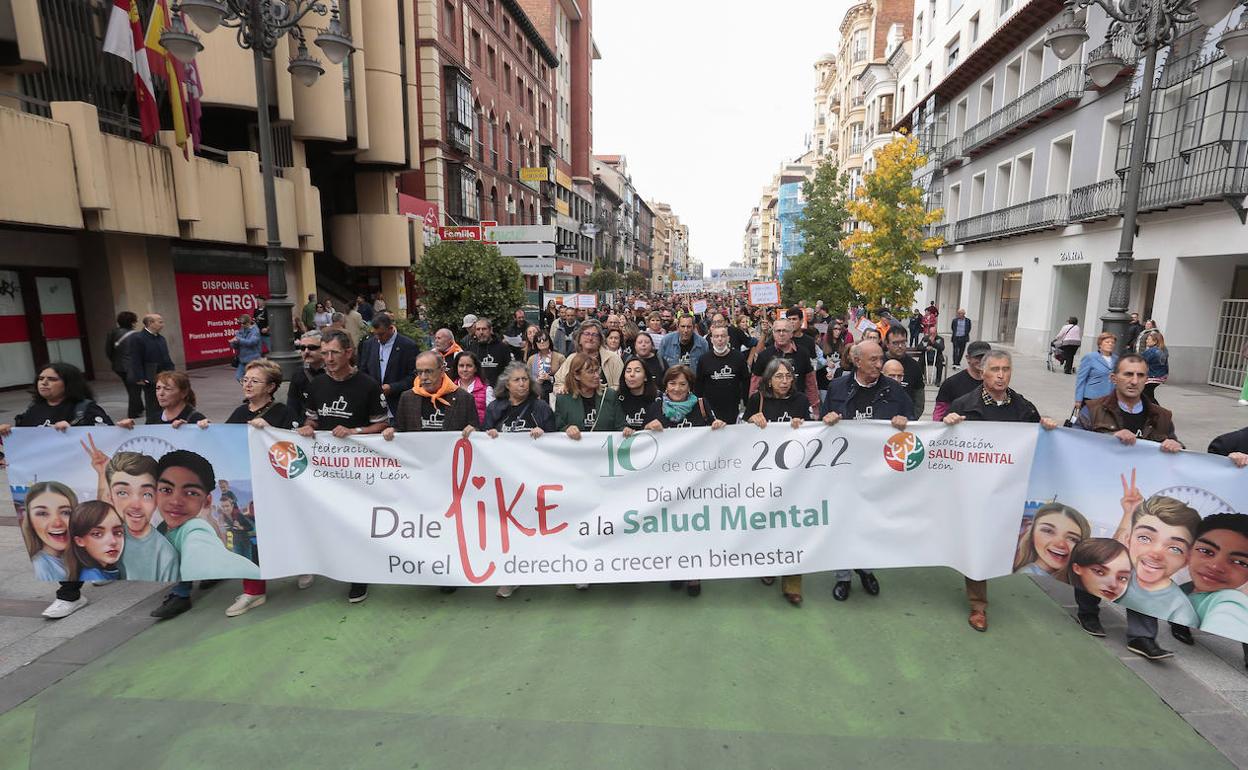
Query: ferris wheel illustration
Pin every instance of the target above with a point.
(152, 446)
(1203, 501)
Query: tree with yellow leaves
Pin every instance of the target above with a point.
(885, 255)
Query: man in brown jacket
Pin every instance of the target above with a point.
(1126, 415)
(434, 402)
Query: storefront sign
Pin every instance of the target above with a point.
(209, 306)
(543, 266)
(462, 233)
(563, 180)
(1070, 256)
(520, 233)
(562, 207)
(534, 174)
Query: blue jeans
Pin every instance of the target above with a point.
(182, 589)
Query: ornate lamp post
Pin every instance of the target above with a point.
(1153, 24)
(261, 24)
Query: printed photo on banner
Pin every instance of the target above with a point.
(1164, 535)
(152, 503)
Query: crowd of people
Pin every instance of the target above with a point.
(645, 362)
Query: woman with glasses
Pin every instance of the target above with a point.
(543, 364)
(261, 379)
(779, 400)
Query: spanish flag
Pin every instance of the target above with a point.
(184, 84)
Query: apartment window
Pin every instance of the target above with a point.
(506, 77)
(1006, 5)
(985, 98)
(972, 29)
(1060, 154)
(927, 76)
(520, 91)
(1110, 134)
(489, 8)
(955, 202)
(954, 7)
(952, 52)
(475, 49)
(479, 134)
(490, 63)
(977, 193)
(959, 118)
(918, 27)
(860, 45)
(1001, 192)
(459, 110)
(492, 142)
(532, 105)
(461, 185)
(1021, 191)
(931, 15)
(506, 26)
(448, 20)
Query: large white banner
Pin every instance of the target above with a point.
(679, 504)
(690, 286)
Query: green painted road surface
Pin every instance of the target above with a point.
(619, 676)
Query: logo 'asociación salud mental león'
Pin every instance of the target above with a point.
(287, 459)
(903, 451)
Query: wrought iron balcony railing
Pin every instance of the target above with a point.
(1096, 201)
(1063, 89)
(1217, 171)
(1039, 214)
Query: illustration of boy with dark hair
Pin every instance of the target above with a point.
(185, 482)
(1219, 568)
(130, 485)
(1159, 541)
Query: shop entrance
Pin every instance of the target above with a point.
(999, 306)
(40, 321)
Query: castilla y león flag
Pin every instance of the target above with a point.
(124, 38)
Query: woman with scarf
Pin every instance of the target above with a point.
(678, 407)
(777, 400)
(468, 369)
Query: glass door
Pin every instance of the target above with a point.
(1007, 314)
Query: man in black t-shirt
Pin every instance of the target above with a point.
(965, 381)
(804, 342)
(783, 347)
(492, 352)
(309, 349)
(914, 370)
(993, 401)
(723, 378)
(346, 402)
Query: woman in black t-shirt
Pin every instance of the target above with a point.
(62, 399)
(643, 349)
(679, 408)
(637, 393)
(778, 400)
(516, 408)
(176, 400)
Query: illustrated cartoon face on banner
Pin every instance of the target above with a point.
(1046, 542)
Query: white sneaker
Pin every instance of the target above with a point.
(582, 586)
(304, 581)
(505, 592)
(243, 603)
(61, 608)
(1243, 402)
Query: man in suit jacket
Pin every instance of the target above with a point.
(389, 358)
(149, 356)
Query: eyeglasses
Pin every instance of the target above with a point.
(781, 376)
(428, 371)
(253, 381)
(307, 347)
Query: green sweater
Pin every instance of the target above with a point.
(149, 558)
(570, 410)
(204, 556)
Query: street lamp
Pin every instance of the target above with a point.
(1153, 24)
(261, 24)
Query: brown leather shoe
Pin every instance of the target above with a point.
(978, 620)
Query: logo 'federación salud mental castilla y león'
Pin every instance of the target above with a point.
(287, 459)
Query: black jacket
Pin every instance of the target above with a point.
(972, 407)
(149, 356)
(297, 391)
(117, 349)
(1235, 441)
(493, 355)
(400, 368)
(890, 399)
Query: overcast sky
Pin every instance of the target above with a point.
(706, 100)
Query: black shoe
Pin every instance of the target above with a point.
(869, 583)
(172, 607)
(1148, 648)
(840, 591)
(694, 588)
(1181, 633)
(448, 589)
(204, 585)
(358, 593)
(1092, 626)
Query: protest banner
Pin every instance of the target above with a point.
(731, 273)
(764, 292)
(699, 306)
(687, 287)
(586, 301)
(181, 504)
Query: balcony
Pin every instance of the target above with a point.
(1096, 201)
(1210, 172)
(1060, 91)
(1039, 214)
(951, 152)
(855, 147)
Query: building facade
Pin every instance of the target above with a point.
(1026, 156)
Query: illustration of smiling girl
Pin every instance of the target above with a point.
(45, 527)
(98, 538)
(1045, 544)
(1100, 566)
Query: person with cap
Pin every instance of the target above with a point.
(965, 381)
(389, 358)
(470, 321)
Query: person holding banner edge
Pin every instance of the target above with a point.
(992, 401)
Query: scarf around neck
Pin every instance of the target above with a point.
(678, 410)
(437, 396)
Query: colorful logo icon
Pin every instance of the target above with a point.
(287, 459)
(903, 451)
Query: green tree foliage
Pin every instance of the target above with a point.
(821, 271)
(604, 278)
(887, 253)
(462, 277)
(635, 280)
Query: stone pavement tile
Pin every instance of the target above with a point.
(105, 603)
(1179, 689)
(21, 608)
(30, 680)
(12, 629)
(22, 652)
(88, 646)
(1210, 669)
(1226, 732)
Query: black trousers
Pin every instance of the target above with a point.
(1139, 625)
(135, 393)
(149, 401)
(959, 347)
(1068, 357)
(70, 590)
